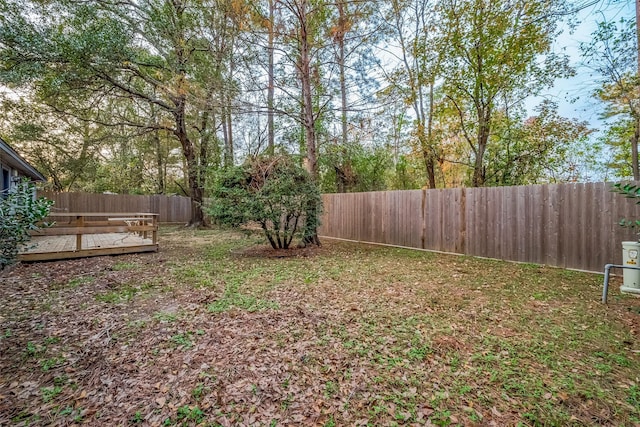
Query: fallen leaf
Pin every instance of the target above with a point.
(426, 411)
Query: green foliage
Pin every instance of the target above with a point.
(233, 298)
(612, 54)
(617, 137)
(49, 393)
(135, 81)
(20, 213)
(492, 61)
(408, 173)
(150, 96)
(543, 148)
(125, 294)
(631, 191)
(183, 340)
(354, 168)
(634, 396)
(188, 413)
(273, 192)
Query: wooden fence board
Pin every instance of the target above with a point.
(538, 231)
(564, 225)
(431, 214)
(169, 208)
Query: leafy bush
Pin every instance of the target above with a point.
(630, 191)
(273, 192)
(19, 214)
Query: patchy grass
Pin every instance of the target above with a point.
(215, 330)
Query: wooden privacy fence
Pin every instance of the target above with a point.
(564, 225)
(169, 208)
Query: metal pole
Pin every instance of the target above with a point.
(605, 289)
(608, 267)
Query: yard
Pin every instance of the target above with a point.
(217, 330)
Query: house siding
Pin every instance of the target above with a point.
(9, 176)
(14, 168)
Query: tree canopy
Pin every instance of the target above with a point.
(156, 96)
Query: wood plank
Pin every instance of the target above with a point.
(472, 197)
(528, 249)
(478, 225)
(598, 242)
(416, 218)
(48, 256)
(381, 201)
(589, 231)
(105, 214)
(436, 209)
(520, 229)
(537, 209)
(571, 226)
(461, 243)
(498, 223)
(59, 231)
(493, 225)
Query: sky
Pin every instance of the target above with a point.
(575, 95)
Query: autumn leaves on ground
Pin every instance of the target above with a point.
(215, 330)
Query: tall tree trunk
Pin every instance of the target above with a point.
(179, 99)
(205, 137)
(634, 149)
(342, 28)
(188, 150)
(415, 86)
(160, 182)
(229, 154)
(435, 159)
(307, 96)
(310, 232)
(637, 2)
(427, 155)
(225, 137)
(343, 167)
(636, 136)
(482, 140)
(271, 85)
(478, 167)
(227, 133)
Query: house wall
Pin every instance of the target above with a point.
(12, 166)
(8, 179)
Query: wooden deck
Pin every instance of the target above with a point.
(78, 235)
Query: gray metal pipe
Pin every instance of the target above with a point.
(607, 268)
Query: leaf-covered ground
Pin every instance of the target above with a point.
(213, 330)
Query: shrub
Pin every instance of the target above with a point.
(273, 192)
(630, 191)
(19, 214)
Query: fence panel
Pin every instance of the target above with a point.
(169, 208)
(565, 225)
